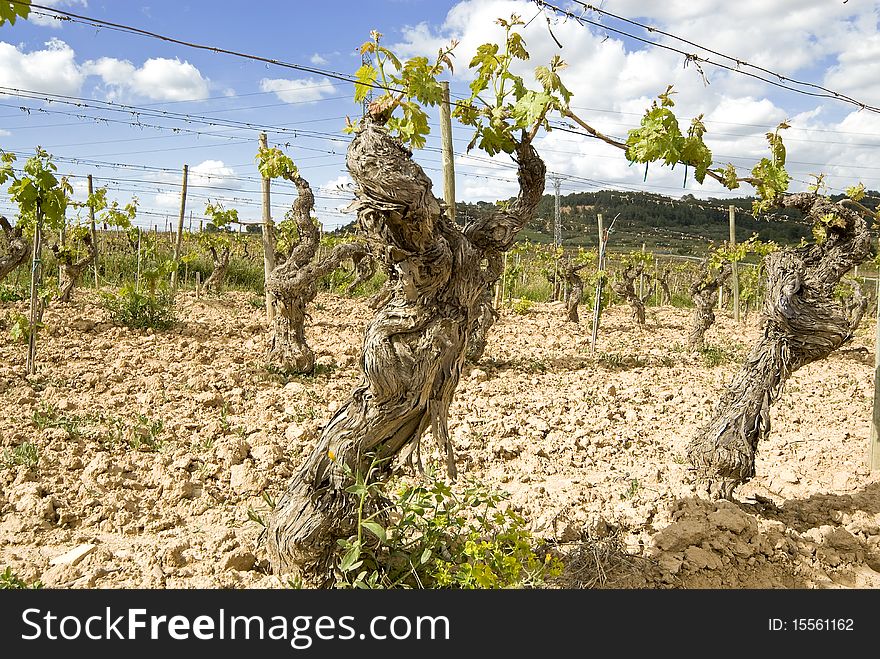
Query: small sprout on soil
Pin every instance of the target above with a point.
(521, 306)
(25, 454)
(10, 581)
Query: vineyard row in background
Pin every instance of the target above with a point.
(531, 271)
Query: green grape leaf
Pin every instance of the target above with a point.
(365, 80)
(856, 192)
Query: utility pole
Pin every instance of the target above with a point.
(600, 264)
(735, 272)
(92, 228)
(557, 233)
(179, 240)
(448, 157)
(268, 238)
(557, 220)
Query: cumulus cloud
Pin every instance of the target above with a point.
(303, 90)
(341, 186)
(214, 174)
(615, 79)
(52, 69)
(158, 79)
(211, 177)
(317, 59)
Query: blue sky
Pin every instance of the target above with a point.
(222, 102)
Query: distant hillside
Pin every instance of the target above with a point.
(677, 226)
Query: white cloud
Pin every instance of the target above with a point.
(303, 90)
(318, 60)
(341, 186)
(159, 79)
(209, 177)
(855, 73)
(4, 133)
(52, 70)
(214, 174)
(615, 80)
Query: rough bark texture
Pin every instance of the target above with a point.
(704, 293)
(575, 289)
(220, 259)
(663, 280)
(414, 348)
(856, 304)
(294, 284)
(486, 317)
(486, 314)
(365, 266)
(72, 270)
(17, 248)
(801, 322)
(625, 287)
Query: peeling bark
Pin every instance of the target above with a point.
(17, 248)
(72, 270)
(625, 287)
(365, 266)
(220, 259)
(856, 304)
(663, 280)
(294, 284)
(575, 289)
(704, 293)
(414, 348)
(802, 322)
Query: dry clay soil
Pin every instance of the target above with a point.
(157, 450)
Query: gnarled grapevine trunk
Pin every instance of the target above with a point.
(365, 266)
(704, 293)
(72, 270)
(294, 284)
(414, 348)
(626, 289)
(486, 313)
(17, 248)
(220, 259)
(663, 280)
(802, 322)
(575, 289)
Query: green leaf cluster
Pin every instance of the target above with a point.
(273, 163)
(407, 88)
(770, 176)
(8, 579)
(138, 310)
(501, 106)
(440, 537)
(38, 192)
(659, 139)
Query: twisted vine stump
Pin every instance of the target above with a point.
(486, 313)
(801, 321)
(70, 269)
(17, 248)
(414, 347)
(663, 279)
(704, 293)
(220, 259)
(625, 288)
(365, 266)
(575, 289)
(294, 284)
